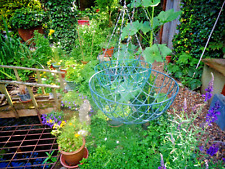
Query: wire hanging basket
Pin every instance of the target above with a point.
(122, 102)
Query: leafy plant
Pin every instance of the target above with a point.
(73, 69)
(50, 159)
(8, 8)
(70, 135)
(88, 43)
(63, 20)
(19, 56)
(27, 18)
(153, 52)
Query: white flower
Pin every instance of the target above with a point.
(117, 142)
(82, 132)
(105, 139)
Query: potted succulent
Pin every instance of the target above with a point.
(26, 20)
(71, 142)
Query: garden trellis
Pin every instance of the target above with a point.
(126, 88)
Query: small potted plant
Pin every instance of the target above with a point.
(73, 75)
(26, 20)
(70, 138)
(108, 48)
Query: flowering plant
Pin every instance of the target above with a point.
(69, 134)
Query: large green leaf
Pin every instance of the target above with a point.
(131, 29)
(146, 27)
(167, 16)
(152, 54)
(136, 4)
(152, 3)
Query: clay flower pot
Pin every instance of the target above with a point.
(108, 52)
(168, 59)
(27, 34)
(74, 158)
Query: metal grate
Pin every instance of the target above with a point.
(25, 146)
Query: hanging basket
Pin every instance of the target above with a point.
(131, 102)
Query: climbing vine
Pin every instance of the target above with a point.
(197, 20)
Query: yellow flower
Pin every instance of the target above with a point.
(62, 124)
(50, 121)
(70, 124)
(51, 31)
(55, 126)
(77, 135)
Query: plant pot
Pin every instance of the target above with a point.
(27, 34)
(63, 75)
(108, 52)
(55, 66)
(63, 162)
(84, 62)
(70, 85)
(74, 158)
(83, 22)
(168, 59)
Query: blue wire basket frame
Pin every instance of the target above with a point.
(130, 102)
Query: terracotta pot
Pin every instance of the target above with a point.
(74, 158)
(108, 52)
(27, 34)
(84, 62)
(63, 162)
(63, 75)
(168, 59)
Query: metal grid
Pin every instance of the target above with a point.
(25, 146)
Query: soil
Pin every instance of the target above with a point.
(194, 99)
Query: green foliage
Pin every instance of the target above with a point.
(107, 8)
(86, 74)
(151, 53)
(73, 69)
(14, 53)
(27, 18)
(190, 41)
(8, 8)
(88, 43)
(63, 20)
(43, 51)
(50, 159)
(70, 136)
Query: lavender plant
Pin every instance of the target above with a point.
(182, 141)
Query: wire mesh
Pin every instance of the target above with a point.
(128, 99)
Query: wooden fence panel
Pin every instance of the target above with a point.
(169, 29)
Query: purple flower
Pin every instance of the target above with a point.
(224, 159)
(62, 105)
(201, 148)
(69, 107)
(69, 102)
(65, 101)
(212, 114)
(162, 163)
(209, 90)
(61, 101)
(212, 150)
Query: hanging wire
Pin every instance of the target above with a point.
(209, 37)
